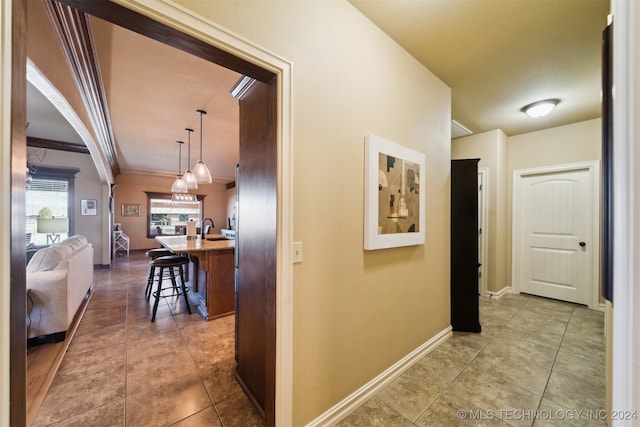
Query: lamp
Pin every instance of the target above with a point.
(201, 171)
(540, 108)
(189, 177)
(53, 227)
(179, 186)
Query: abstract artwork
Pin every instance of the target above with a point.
(394, 195)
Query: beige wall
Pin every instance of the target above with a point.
(355, 313)
(501, 155)
(131, 188)
(577, 142)
(491, 149)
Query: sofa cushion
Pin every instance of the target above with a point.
(47, 259)
(75, 242)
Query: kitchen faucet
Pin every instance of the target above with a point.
(205, 231)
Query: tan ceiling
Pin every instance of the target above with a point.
(153, 92)
(496, 55)
(500, 55)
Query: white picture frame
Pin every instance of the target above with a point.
(394, 195)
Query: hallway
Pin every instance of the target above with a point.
(120, 369)
(534, 357)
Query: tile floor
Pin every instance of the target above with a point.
(122, 370)
(534, 356)
(537, 362)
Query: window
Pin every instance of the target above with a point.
(48, 203)
(166, 217)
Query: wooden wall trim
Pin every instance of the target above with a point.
(56, 145)
(73, 29)
(146, 26)
(18, 334)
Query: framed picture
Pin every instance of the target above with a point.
(394, 199)
(88, 207)
(130, 209)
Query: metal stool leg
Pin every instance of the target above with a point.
(184, 289)
(157, 295)
(148, 289)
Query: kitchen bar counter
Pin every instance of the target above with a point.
(211, 272)
(180, 244)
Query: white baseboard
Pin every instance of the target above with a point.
(497, 295)
(364, 393)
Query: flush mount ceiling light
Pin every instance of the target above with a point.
(540, 108)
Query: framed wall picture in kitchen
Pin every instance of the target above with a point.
(130, 209)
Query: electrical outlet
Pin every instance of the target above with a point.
(297, 252)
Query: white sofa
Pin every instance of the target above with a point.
(58, 279)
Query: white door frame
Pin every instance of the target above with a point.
(625, 350)
(593, 168)
(483, 173)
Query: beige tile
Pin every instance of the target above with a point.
(151, 343)
(160, 370)
(237, 410)
(542, 337)
(573, 393)
(410, 394)
(219, 379)
(464, 346)
(520, 352)
(492, 393)
(587, 369)
(551, 414)
(540, 303)
(91, 361)
(66, 399)
(534, 322)
(109, 415)
(375, 412)
(438, 366)
(166, 403)
(528, 376)
(205, 418)
(451, 410)
(587, 348)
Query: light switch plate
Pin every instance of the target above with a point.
(297, 252)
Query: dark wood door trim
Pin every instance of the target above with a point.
(73, 29)
(141, 24)
(18, 335)
(256, 246)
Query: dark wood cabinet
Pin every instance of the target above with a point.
(465, 311)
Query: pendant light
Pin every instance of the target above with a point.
(189, 177)
(201, 171)
(179, 186)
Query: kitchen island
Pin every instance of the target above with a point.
(210, 274)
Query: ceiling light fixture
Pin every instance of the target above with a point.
(179, 186)
(189, 177)
(540, 108)
(201, 171)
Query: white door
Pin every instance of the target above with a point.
(555, 216)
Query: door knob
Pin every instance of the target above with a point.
(582, 244)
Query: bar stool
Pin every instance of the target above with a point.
(170, 261)
(153, 254)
